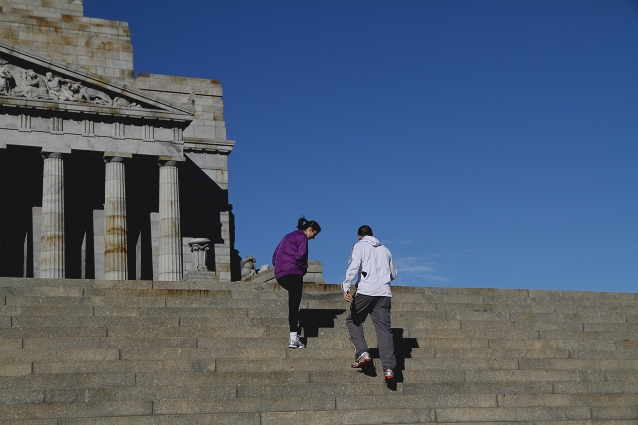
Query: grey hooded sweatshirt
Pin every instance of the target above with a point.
(371, 263)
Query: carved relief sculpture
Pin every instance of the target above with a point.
(53, 87)
(7, 82)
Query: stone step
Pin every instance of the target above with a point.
(423, 415)
(109, 342)
(166, 327)
(138, 342)
(61, 381)
(436, 312)
(91, 321)
(70, 354)
(75, 410)
(217, 419)
(55, 332)
(121, 366)
(426, 347)
(200, 331)
(500, 295)
(83, 316)
(86, 301)
(46, 311)
(501, 407)
(268, 418)
(117, 360)
(297, 362)
(88, 349)
(401, 294)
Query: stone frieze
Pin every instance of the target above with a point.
(19, 82)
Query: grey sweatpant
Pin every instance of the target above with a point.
(379, 309)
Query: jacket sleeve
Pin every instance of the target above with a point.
(393, 269)
(354, 268)
(301, 256)
(274, 254)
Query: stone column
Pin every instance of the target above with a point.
(52, 250)
(170, 241)
(115, 238)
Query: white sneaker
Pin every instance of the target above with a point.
(296, 343)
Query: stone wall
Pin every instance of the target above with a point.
(58, 29)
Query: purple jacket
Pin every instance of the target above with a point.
(291, 255)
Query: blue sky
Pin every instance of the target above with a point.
(487, 143)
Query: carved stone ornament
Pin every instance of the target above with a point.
(199, 248)
(19, 82)
(248, 267)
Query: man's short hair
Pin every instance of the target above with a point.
(365, 230)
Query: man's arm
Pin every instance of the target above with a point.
(393, 269)
(354, 267)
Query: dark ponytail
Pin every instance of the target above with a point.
(303, 224)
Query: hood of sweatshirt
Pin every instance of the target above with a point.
(371, 240)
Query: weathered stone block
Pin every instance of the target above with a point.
(479, 388)
(181, 407)
(74, 354)
(124, 366)
(75, 410)
(14, 368)
(615, 412)
(349, 417)
(93, 395)
(513, 414)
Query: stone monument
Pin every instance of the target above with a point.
(107, 176)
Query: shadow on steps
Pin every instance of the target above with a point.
(313, 319)
(402, 350)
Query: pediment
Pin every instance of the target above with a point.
(32, 80)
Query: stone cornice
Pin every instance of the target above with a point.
(208, 145)
(91, 109)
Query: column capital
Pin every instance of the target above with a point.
(108, 159)
(170, 161)
(167, 163)
(59, 155)
(116, 156)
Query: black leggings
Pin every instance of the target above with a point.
(293, 283)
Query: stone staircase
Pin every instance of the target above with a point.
(81, 352)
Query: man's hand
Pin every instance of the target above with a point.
(347, 296)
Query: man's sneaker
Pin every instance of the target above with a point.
(362, 359)
(388, 375)
(296, 343)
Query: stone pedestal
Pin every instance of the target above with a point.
(170, 247)
(199, 249)
(52, 250)
(115, 236)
